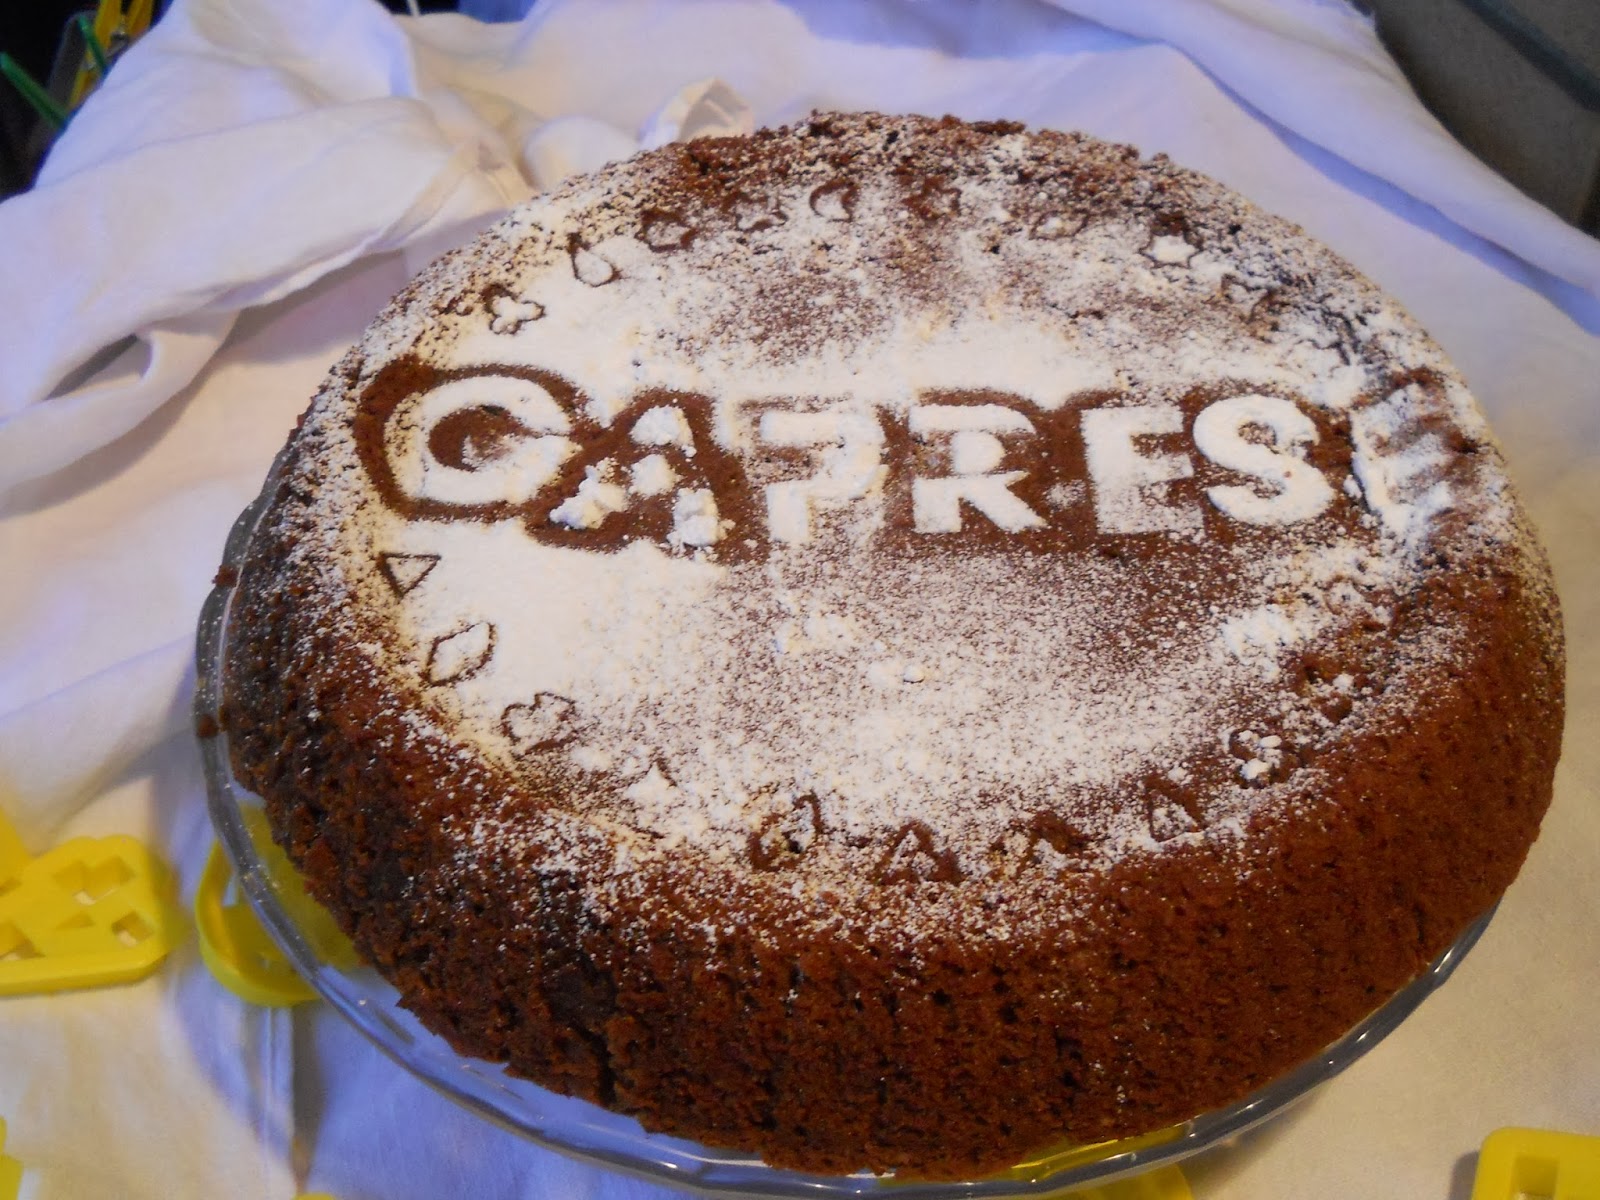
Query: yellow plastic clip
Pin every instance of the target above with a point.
(107, 20)
(1163, 1183)
(10, 1169)
(1158, 1183)
(238, 951)
(138, 17)
(1537, 1162)
(90, 912)
(13, 856)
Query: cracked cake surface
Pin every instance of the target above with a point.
(890, 643)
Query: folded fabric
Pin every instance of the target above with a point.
(104, 722)
(174, 226)
(154, 221)
(1319, 70)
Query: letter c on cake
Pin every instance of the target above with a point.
(475, 444)
(482, 440)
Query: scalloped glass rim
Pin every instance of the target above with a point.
(589, 1132)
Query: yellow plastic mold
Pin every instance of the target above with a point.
(10, 1169)
(1514, 1163)
(1158, 1183)
(1163, 1183)
(237, 950)
(1060, 1158)
(90, 912)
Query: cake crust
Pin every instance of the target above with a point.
(893, 643)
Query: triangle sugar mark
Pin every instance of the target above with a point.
(405, 571)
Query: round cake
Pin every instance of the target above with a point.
(891, 643)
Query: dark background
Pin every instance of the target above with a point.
(1517, 81)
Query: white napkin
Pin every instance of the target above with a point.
(1317, 69)
(368, 140)
(153, 220)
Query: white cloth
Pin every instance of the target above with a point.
(256, 180)
(1315, 69)
(383, 159)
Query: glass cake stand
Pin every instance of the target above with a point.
(588, 1132)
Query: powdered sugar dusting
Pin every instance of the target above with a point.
(912, 518)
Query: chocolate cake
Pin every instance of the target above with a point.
(892, 643)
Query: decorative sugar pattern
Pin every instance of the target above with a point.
(929, 525)
(406, 571)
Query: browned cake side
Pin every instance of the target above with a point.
(961, 739)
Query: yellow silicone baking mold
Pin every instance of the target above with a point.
(1514, 1163)
(10, 1169)
(235, 947)
(90, 912)
(11, 1175)
(1164, 1183)
(236, 950)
